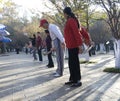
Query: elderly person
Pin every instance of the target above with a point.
(58, 42)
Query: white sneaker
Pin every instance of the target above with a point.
(57, 75)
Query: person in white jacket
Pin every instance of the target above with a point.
(58, 44)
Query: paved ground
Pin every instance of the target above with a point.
(22, 79)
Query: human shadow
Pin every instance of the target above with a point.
(56, 94)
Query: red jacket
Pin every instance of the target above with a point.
(38, 42)
(72, 34)
(85, 36)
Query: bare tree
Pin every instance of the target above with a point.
(100, 32)
(81, 8)
(112, 8)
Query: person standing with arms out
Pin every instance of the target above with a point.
(49, 46)
(39, 46)
(73, 40)
(58, 44)
(86, 37)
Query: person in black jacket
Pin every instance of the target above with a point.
(49, 46)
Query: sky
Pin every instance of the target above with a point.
(26, 5)
(32, 3)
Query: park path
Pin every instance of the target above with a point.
(22, 79)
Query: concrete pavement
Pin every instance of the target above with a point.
(22, 79)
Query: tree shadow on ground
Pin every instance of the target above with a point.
(99, 87)
(24, 83)
(81, 93)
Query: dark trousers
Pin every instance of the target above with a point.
(74, 66)
(40, 54)
(17, 51)
(50, 60)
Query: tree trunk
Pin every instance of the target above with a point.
(85, 55)
(66, 53)
(3, 50)
(117, 53)
(102, 47)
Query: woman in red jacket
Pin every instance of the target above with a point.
(74, 44)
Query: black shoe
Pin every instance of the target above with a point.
(68, 83)
(76, 84)
(50, 66)
(35, 60)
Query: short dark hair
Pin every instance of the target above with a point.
(38, 32)
(46, 31)
(34, 35)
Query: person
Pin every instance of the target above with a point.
(26, 48)
(39, 46)
(73, 40)
(49, 46)
(58, 44)
(85, 36)
(34, 47)
(17, 49)
(86, 39)
(30, 46)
